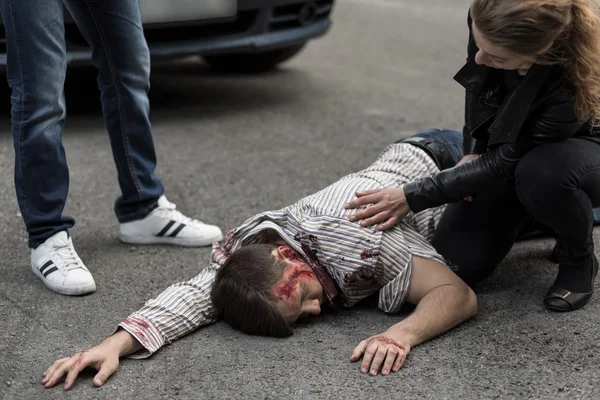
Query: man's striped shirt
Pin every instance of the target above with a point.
(361, 260)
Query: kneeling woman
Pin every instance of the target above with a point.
(531, 143)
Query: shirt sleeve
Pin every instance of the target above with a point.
(399, 245)
(179, 310)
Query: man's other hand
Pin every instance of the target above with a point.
(381, 351)
(103, 357)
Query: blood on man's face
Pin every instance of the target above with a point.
(299, 291)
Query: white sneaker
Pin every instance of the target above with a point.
(57, 264)
(166, 225)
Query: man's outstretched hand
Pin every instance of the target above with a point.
(388, 207)
(103, 357)
(381, 352)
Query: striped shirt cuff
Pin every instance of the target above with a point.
(145, 333)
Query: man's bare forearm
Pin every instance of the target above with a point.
(123, 342)
(439, 311)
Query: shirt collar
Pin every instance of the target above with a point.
(306, 244)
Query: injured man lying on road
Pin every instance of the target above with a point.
(279, 266)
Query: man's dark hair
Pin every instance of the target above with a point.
(243, 291)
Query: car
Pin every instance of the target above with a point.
(231, 35)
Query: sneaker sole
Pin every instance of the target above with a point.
(69, 291)
(170, 240)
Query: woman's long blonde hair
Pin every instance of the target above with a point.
(570, 27)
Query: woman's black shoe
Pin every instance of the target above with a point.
(561, 300)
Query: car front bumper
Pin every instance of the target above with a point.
(260, 25)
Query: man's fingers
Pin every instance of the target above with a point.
(468, 198)
(378, 359)
(57, 370)
(378, 355)
(99, 380)
(73, 365)
(392, 355)
(55, 364)
(53, 367)
(399, 361)
(56, 373)
(358, 351)
(106, 370)
(368, 356)
(83, 362)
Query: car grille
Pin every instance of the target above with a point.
(156, 33)
(168, 33)
(300, 14)
(283, 17)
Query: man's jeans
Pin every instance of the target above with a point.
(445, 147)
(36, 54)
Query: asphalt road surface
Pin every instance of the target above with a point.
(232, 146)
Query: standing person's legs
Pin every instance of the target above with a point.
(114, 30)
(476, 236)
(36, 66)
(119, 50)
(559, 184)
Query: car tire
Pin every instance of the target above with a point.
(252, 62)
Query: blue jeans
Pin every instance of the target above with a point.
(36, 66)
(443, 145)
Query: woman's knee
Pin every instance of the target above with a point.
(470, 259)
(471, 271)
(546, 171)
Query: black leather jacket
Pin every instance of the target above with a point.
(502, 126)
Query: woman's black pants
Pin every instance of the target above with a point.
(556, 184)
